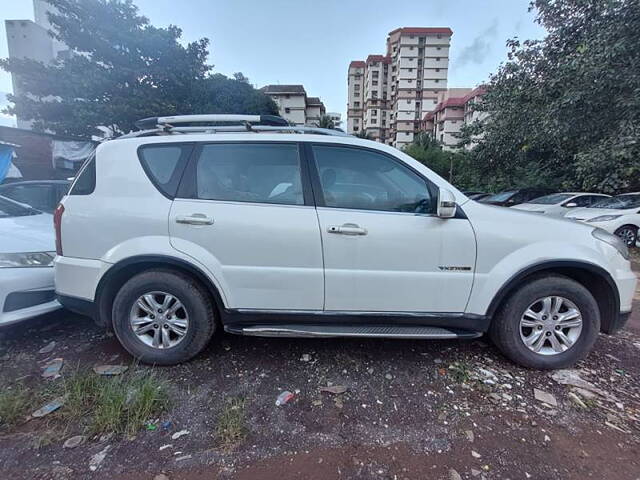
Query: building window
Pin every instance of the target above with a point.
(374, 94)
(374, 83)
(356, 104)
(410, 70)
(436, 80)
(287, 96)
(287, 110)
(355, 128)
(439, 48)
(374, 120)
(374, 112)
(437, 59)
(437, 69)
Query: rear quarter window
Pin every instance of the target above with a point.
(85, 184)
(164, 165)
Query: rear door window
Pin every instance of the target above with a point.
(85, 183)
(258, 173)
(164, 165)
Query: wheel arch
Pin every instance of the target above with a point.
(594, 278)
(119, 273)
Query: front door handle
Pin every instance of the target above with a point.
(347, 229)
(194, 219)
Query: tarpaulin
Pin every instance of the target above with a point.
(6, 153)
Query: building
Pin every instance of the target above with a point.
(336, 118)
(294, 105)
(31, 39)
(388, 95)
(454, 109)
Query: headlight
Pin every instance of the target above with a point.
(27, 259)
(612, 240)
(604, 218)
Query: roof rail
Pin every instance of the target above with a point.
(155, 122)
(244, 123)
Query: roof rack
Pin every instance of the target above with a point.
(223, 123)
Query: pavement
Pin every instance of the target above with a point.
(408, 410)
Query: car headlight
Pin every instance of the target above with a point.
(27, 259)
(612, 240)
(604, 218)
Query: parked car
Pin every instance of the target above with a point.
(174, 233)
(27, 248)
(619, 215)
(515, 197)
(559, 204)
(477, 196)
(43, 195)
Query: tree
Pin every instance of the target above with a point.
(363, 134)
(448, 164)
(120, 68)
(565, 111)
(325, 121)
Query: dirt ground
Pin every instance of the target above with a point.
(412, 410)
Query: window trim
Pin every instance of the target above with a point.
(90, 162)
(317, 185)
(176, 176)
(188, 187)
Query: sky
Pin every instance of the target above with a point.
(312, 42)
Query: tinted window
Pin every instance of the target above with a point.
(620, 202)
(365, 180)
(582, 201)
(164, 165)
(552, 199)
(85, 184)
(260, 173)
(38, 196)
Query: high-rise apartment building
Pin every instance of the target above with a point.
(390, 94)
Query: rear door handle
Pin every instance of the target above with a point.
(347, 229)
(194, 219)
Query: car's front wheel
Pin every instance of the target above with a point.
(628, 234)
(163, 317)
(550, 322)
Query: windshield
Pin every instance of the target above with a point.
(499, 197)
(620, 202)
(552, 199)
(10, 209)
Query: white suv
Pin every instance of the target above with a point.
(174, 233)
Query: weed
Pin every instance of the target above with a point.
(460, 371)
(231, 428)
(15, 401)
(121, 404)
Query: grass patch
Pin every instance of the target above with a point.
(231, 428)
(119, 404)
(460, 371)
(15, 401)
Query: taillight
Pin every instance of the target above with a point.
(57, 224)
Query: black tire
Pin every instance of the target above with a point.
(505, 327)
(628, 234)
(196, 300)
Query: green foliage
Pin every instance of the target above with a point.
(451, 165)
(325, 122)
(15, 402)
(231, 426)
(564, 112)
(119, 69)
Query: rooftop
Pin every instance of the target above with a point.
(422, 30)
(295, 89)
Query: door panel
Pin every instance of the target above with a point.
(384, 250)
(250, 219)
(395, 267)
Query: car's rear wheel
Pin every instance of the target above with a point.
(550, 322)
(628, 234)
(163, 317)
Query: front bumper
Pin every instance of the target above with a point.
(26, 293)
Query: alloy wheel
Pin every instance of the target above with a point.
(159, 320)
(551, 325)
(628, 236)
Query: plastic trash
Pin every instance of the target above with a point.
(283, 398)
(52, 406)
(179, 434)
(52, 369)
(48, 347)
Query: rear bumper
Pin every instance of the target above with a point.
(78, 305)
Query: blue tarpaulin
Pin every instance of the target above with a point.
(6, 153)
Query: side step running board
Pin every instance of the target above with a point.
(382, 331)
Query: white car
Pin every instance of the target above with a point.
(27, 249)
(559, 204)
(174, 233)
(619, 215)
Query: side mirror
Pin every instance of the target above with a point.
(571, 205)
(446, 203)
